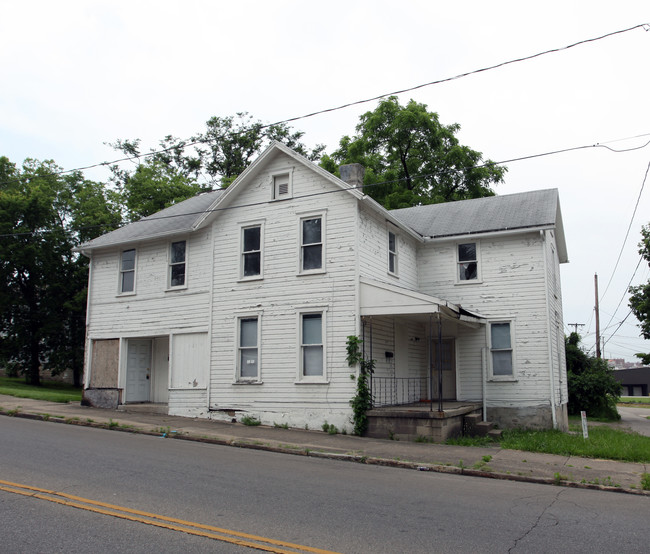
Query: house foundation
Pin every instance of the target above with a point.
(418, 422)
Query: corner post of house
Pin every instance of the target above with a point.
(439, 363)
(431, 362)
(365, 357)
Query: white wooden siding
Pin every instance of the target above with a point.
(190, 361)
(373, 251)
(152, 310)
(279, 296)
(512, 286)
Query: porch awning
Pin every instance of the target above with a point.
(384, 299)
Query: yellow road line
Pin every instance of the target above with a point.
(174, 524)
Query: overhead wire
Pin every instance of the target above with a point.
(362, 187)
(644, 26)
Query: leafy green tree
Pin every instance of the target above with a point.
(158, 181)
(591, 383)
(214, 158)
(640, 295)
(43, 215)
(411, 158)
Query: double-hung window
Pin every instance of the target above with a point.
(392, 253)
(311, 243)
(248, 358)
(311, 345)
(177, 265)
(501, 351)
(251, 260)
(127, 271)
(467, 262)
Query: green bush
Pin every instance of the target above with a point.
(591, 383)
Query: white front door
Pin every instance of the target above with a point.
(138, 371)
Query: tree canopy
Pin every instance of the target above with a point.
(640, 295)
(411, 158)
(43, 215)
(180, 169)
(591, 383)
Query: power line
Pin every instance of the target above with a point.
(627, 234)
(644, 26)
(361, 187)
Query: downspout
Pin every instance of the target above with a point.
(439, 363)
(87, 351)
(431, 362)
(484, 380)
(548, 330)
(210, 322)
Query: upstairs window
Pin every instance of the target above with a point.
(248, 366)
(177, 266)
(501, 349)
(467, 262)
(392, 253)
(251, 262)
(311, 244)
(127, 271)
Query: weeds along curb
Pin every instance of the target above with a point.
(302, 450)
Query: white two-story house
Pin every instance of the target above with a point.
(240, 301)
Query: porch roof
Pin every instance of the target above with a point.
(378, 298)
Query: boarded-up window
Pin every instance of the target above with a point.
(190, 361)
(104, 363)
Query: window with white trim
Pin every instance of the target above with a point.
(501, 351)
(251, 248)
(392, 253)
(248, 354)
(281, 186)
(311, 243)
(468, 261)
(311, 345)
(177, 265)
(127, 271)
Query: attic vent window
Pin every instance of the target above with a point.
(281, 187)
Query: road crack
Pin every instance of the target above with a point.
(536, 523)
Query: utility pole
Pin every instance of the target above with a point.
(575, 326)
(597, 318)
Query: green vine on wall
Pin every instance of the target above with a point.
(362, 400)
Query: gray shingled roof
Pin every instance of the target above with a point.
(482, 215)
(179, 218)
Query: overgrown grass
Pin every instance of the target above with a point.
(603, 442)
(49, 390)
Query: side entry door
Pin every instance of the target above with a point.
(138, 371)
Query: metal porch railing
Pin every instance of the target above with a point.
(396, 391)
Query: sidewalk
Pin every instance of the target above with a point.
(489, 462)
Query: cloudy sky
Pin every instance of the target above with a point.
(78, 74)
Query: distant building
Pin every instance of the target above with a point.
(636, 381)
(620, 363)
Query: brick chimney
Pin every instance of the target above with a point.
(352, 174)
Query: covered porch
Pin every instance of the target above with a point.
(419, 390)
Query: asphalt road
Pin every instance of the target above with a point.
(636, 419)
(324, 504)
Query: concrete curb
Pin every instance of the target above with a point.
(302, 450)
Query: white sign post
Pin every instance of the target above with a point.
(585, 431)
